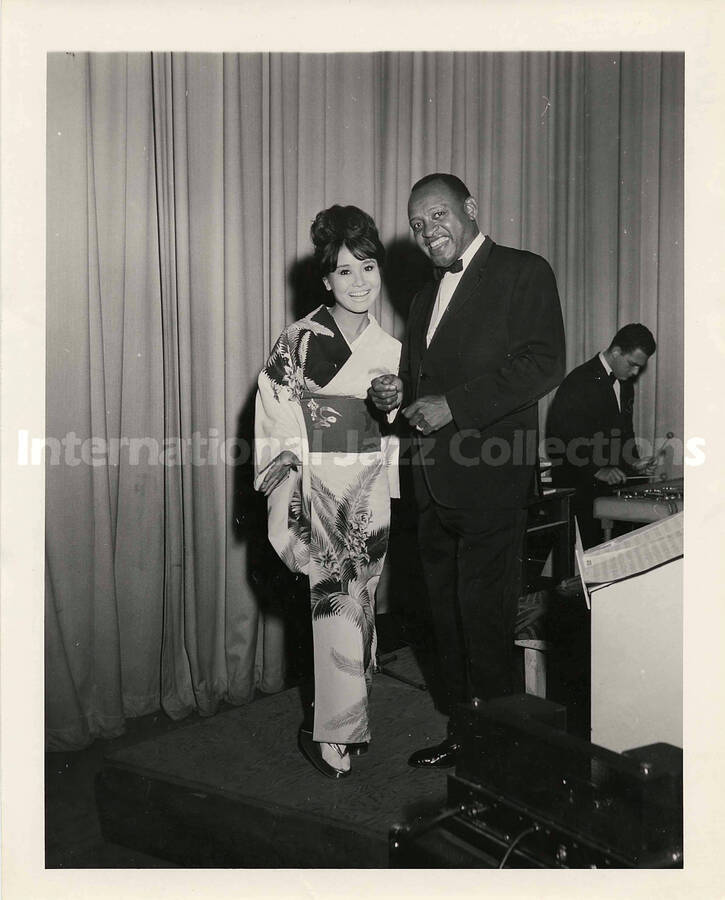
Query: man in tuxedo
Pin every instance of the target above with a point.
(590, 431)
(483, 343)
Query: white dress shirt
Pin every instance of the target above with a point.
(617, 387)
(447, 286)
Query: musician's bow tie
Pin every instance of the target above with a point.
(454, 267)
(612, 377)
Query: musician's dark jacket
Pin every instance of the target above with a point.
(586, 430)
(498, 348)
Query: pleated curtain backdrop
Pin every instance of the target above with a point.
(181, 188)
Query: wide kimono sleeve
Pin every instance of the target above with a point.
(278, 426)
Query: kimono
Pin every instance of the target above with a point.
(331, 518)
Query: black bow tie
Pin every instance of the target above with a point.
(612, 377)
(454, 267)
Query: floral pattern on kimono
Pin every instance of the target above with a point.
(331, 519)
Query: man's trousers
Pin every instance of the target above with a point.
(473, 570)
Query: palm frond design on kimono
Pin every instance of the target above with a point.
(353, 667)
(350, 721)
(286, 363)
(352, 557)
(295, 553)
(331, 520)
(346, 523)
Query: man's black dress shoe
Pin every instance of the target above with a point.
(311, 750)
(439, 756)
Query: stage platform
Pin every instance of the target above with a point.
(234, 790)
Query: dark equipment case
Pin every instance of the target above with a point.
(527, 795)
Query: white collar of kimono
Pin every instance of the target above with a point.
(353, 344)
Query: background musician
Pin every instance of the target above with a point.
(590, 430)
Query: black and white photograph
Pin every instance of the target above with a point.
(367, 380)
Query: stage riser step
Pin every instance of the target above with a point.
(201, 830)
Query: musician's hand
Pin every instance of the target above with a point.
(645, 466)
(428, 413)
(278, 470)
(610, 475)
(386, 392)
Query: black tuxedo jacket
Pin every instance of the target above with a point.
(498, 348)
(586, 429)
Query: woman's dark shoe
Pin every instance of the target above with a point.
(311, 750)
(439, 756)
(357, 749)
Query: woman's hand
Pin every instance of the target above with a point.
(278, 470)
(386, 392)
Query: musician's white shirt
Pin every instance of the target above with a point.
(616, 385)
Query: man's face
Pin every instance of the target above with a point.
(626, 365)
(443, 225)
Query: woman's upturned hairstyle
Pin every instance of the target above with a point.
(346, 225)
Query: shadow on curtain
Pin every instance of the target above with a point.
(180, 191)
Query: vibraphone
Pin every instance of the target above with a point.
(641, 503)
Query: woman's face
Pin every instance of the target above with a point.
(355, 283)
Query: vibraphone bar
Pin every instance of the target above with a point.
(642, 503)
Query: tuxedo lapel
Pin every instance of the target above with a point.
(427, 303)
(469, 285)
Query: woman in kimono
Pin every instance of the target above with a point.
(328, 469)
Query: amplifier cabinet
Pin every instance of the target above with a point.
(481, 831)
(526, 794)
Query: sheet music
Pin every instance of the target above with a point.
(579, 560)
(633, 553)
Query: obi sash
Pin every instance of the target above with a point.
(338, 424)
